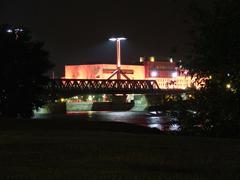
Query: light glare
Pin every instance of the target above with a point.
(174, 74)
(154, 74)
(118, 39)
(113, 39)
(228, 86)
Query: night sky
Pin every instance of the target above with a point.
(77, 32)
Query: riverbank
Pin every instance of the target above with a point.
(70, 149)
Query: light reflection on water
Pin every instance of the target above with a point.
(163, 123)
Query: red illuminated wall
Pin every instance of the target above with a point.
(102, 71)
(138, 72)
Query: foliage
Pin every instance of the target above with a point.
(24, 64)
(215, 56)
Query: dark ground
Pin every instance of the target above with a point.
(65, 149)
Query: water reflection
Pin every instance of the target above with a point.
(161, 122)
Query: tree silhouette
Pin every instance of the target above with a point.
(216, 58)
(24, 64)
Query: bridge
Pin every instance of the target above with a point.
(71, 87)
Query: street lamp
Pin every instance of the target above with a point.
(118, 71)
(16, 31)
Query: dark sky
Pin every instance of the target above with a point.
(77, 32)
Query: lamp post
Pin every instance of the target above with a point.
(118, 71)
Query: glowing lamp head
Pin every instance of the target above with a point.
(117, 39)
(154, 73)
(121, 38)
(112, 39)
(174, 74)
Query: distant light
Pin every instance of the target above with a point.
(152, 59)
(154, 126)
(62, 100)
(9, 30)
(171, 60)
(141, 59)
(228, 75)
(18, 30)
(154, 73)
(174, 74)
(175, 127)
(228, 86)
(210, 77)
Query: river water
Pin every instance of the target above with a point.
(147, 119)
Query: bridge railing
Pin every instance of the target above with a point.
(104, 86)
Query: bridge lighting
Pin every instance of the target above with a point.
(75, 97)
(90, 98)
(174, 74)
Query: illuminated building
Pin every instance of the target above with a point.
(165, 73)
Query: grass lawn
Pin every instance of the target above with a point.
(50, 149)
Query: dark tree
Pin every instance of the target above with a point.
(215, 57)
(24, 64)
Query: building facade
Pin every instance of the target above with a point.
(165, 73)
